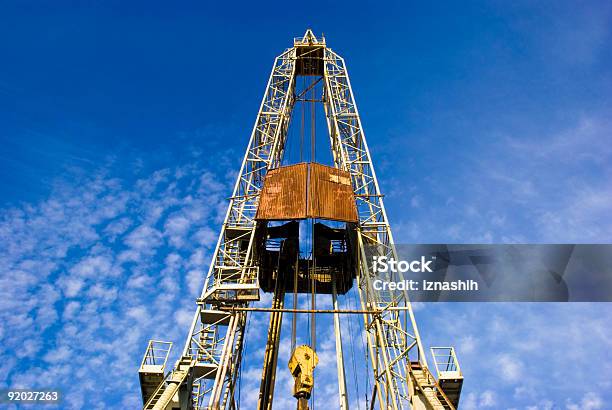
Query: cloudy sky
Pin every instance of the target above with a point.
(122, 128)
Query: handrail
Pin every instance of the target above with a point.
(448, 359)
(156, 350)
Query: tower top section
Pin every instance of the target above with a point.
(309, 39)
(309, 53)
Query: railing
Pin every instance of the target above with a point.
(227, 275)
(301, 41)
(156, 354)
(446, 362)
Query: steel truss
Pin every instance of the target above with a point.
(205, 375)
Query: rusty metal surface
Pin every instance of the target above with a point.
(307, 191)
(330, 194)
(284, 193)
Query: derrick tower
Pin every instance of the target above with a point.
(258, 250)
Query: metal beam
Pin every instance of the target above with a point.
(325, 311)
(268, 373)
(342, 396)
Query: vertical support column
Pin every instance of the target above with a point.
(268, 374)
(339, 356)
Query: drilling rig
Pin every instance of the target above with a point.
(259, 250)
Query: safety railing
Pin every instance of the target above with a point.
(445, 361)
(301, 41)
(156, 354)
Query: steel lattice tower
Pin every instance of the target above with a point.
(205, 375)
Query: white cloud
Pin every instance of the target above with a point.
(474, 401)
(467, 344)
(184, 317)
(117, 227)
(58, 355)
(542, 405)
(206, 237)
(195, 280)
(138, 312)
(488, 399)
(93, 267)
(524, 186)
(590, 401)
(70, 310)
(72, 286)
(144, 239)
(176, 227)
(86, 278)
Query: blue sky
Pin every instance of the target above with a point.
(487, 122)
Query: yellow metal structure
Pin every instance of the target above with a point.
(301, 365)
